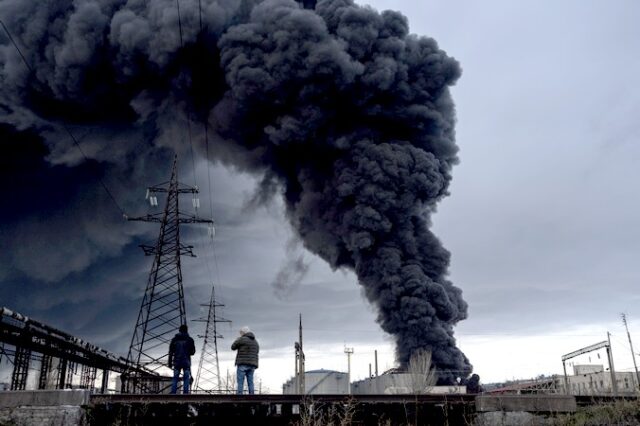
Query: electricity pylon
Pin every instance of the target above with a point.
(208, 375)
(162, 310)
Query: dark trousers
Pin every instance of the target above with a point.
(185, 379)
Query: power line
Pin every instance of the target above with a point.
(179, 22)
(206, 141)
(64, 126)
(193, 161)
(15, 45)
(75, 141)
(205, 123)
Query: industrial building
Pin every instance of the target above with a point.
(594, 380)
(586, 380)
(320, 382)
(328, 382)
(394, 382)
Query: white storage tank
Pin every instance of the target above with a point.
(320, 382)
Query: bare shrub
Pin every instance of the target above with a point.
(422, 374)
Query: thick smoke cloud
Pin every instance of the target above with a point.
(336, 106)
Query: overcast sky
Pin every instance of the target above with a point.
(542, 217)
(541, 221)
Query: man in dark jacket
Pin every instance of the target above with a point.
(180, 351)
(246, 358)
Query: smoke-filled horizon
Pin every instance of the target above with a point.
(338, 109)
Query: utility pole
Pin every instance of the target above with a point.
(349, 352)
(376, 360)
(162, 309)
(633, 356)
(612, 370)
(604, 344)
(299, 370)
(208, 375)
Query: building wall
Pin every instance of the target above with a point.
(399, 383)
(599, 383)
(587, 369)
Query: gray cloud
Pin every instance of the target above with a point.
(292, 270)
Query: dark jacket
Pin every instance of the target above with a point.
(248, 349)
(180, 350)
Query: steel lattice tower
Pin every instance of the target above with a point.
(208, 375)
(163, 310)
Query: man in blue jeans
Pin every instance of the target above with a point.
(246, 358)
(180, 351)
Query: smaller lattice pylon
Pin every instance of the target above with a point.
(208, 374)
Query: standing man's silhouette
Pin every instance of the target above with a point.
(180, 351)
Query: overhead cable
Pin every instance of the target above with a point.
(64, 126)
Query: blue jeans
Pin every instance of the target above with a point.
(185, 380)
(242, 372)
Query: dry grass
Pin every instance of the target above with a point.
(623, 413)
(334, 415)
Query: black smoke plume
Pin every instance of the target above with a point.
(335, 105)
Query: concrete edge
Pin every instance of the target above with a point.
(44, 398)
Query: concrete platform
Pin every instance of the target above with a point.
(281, 410)
(44, 407)
(80, 408)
